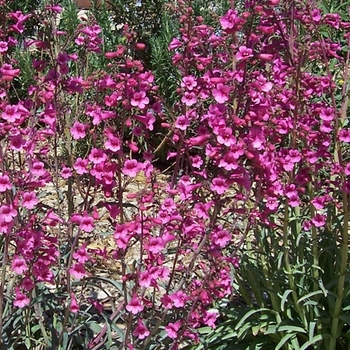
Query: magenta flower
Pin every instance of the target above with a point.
(189, 82)
(11, 113)
(80, 166)
(327, 114)
(134, 306)
(78, 271)
(86, 223)
(172, 329)
(139, 100)
(5, 183)
(7, 213)
(230, 21)
(244, 53)
(178, 298)
(225, 137)
(344, 135)
(196, 161)
(221, 238)
(221, 93)
(81, 255)
(113, 142)
(145, 279)
(210, 318)
(319, 220)
(189, 98)
(182, 122)
(97, 156)
(3, 47)
(73, 307)
(19, 265)
(29, 200)
(78, 131)
(66, 172)
(141, 330)
(21, 300)
(219, 185)
(155, 245)
(131, 167)
(8, 73)
(17, 142)
(38, 169)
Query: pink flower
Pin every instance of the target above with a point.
(344, 135)
(221, 238)
(19, 265)
(113, 142)
(81, 255)
(221, 93)
(210, 318)
(139, 100)
(196, 161)
(17, 142)
(78, 131)
(319, 220)
(134, 306)
(189, 98)
(29, 200)
(97, 156)
(73, 307)
(230, 21)
(8, 73)
(131, 167)
(80, 166)
(244, 53)
(21, 300)
(219, 185)
(178, 298)
(38, 169)
(155, 245)
(27, 284)
(11, 113)
(3, 46)
(327, 114)
(86, 223)
(7, 213)
(66, 172)
(182, 122)
(189, 82)
(77, 271)
(172, 329)
(141, 330)
(5, 183)
(225, 137)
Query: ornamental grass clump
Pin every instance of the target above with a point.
(256, 198)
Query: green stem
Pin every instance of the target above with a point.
(288, 268)
(2, 283)
(342, 275)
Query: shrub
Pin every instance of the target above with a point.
(257, 137)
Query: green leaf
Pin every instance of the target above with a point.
(313, 341)
(309, 295)
(283, 341)
(251, 313)
(284, 298)
(291, 328)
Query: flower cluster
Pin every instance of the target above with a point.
(251, 130)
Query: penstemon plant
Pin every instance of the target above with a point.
(257, 195)
(74, 147)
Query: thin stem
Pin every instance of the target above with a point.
(344, 257)
(2, 284)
